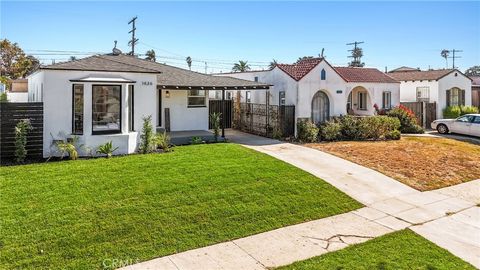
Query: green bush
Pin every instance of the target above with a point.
(350, 127)
(162, 141)
(393, 135)
(21, 130)
(147, 137)
(331, 131)
(196, 140)
(408, 121)
(468, 109)
(452, 112)
(377, 127)
(307, 131)
(215, 120)
(3, 97)
(107, 149)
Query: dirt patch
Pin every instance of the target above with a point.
(422, 163)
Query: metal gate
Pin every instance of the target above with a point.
(215, 106)
(425, 112)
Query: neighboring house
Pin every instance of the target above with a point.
(475, 91)
(104, 97)
(446, 87)
(319, 90)
(18, 91)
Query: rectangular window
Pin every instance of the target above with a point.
(131, 108)
(362, 101)
(196, 98)
(256, 79)
(423, 93)
(106, 109)
(281, 98)
(455, 97)
(387, 100)
(77, 109)
(248, 97)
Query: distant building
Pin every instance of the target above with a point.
(18, 90)
(475, 90)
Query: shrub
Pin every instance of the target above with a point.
(330, 131)
(215, 120)
(196, 140)
(68, 147)
(3, 97)
(350, 127)
(147, 137)
(408, 121)
(21, 130)
(307, 131)
(451, 112)
(162, 141)
(393, 135)
(106, 149)
(468, 109)
(377, 127)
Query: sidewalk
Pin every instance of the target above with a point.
(448, 217)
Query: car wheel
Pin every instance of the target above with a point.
(442, 129)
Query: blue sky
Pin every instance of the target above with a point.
(220, 33)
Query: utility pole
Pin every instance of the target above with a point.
(453, 57)
(134, 40)
(205, 67)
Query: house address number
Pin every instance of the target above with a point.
(147, 83)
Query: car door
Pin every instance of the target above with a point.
(475, 127)
(461, 125)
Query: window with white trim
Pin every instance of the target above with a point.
(423, 93)
(106, 109)
(248, 97)
(387, 100)
(281, 98)
(197, 98)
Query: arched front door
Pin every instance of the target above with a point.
(320, 107)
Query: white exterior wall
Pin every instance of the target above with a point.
(57, 98)
(438, 90)
(17, 97)
(181, 116)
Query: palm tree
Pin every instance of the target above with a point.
(189, 62)
(73, 58)
(150, 56)
(272, 64)
(444, 53)
(300, 59)
(241, 66)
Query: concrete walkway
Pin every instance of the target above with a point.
(448, 217)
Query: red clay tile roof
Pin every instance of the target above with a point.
(298, 70)
(357, 74)
(420, 75)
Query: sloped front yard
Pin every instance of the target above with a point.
(86, 214)
(420, 162)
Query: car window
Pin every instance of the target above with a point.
(476, 120)
(464, 119)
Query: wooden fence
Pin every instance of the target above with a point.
(276, 121)
(10, 114)
(425, 112)
(215, 105)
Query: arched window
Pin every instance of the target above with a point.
(323, 75)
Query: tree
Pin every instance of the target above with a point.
(14, 63)
(72, 58)
(473, 71)
(151, 56)
(357, 54)
(189, 62)
(300, 59)
(272, 64)
(241, 66)
(444, 53)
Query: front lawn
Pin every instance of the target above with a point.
(79, 214)
(420, 162)
(395, 251)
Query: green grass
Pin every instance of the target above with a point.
(76, 214)
(395, 251)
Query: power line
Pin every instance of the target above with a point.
(454, 57)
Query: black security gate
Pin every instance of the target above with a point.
(274, 122)
(215, 106)
(10, 114)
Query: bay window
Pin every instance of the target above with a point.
(106, 109)
(197, 98)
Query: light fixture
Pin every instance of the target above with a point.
(167, 94)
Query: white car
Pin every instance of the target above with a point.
(468, 124)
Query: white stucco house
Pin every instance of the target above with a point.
(104, 97)
(445, 87)
(319, 90)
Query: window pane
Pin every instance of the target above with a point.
(196, 93)
(78, 109)
(196, 101)
(130, 108)
(106, 108)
